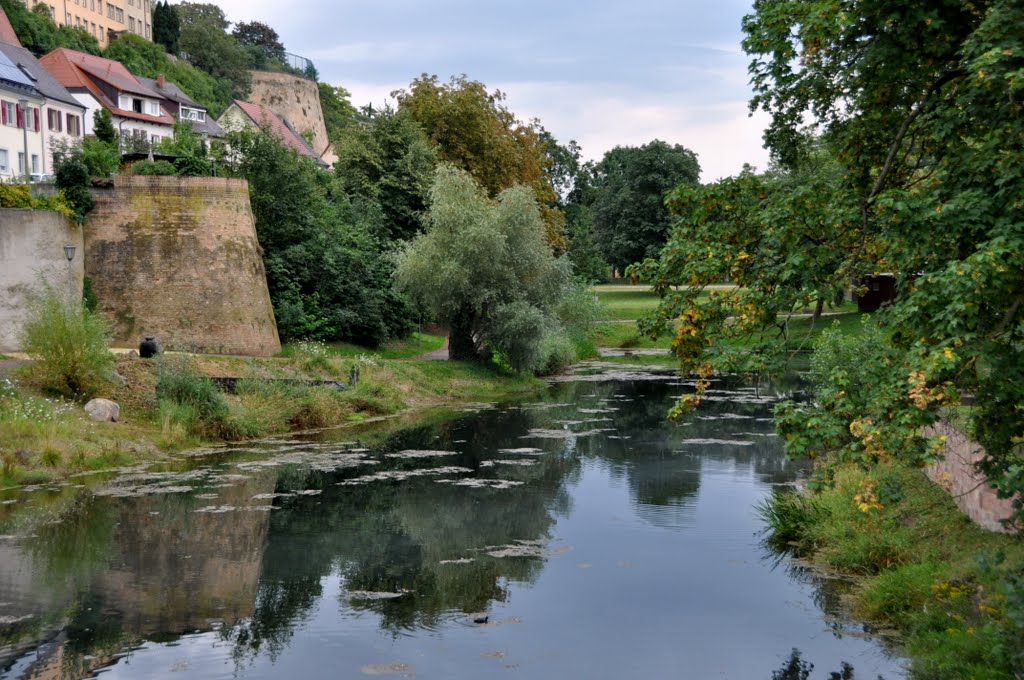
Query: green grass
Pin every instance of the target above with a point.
(953, 591)
(413, 346)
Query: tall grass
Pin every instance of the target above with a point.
(68, 344)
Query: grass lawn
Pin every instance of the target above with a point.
(413, 346)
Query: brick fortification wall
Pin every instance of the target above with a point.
(296, 99)
(177, 257)
(31, 253)
(969, 489)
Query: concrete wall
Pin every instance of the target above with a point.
(296, 99)
(956, 474)
(32, 251)
(177, 257)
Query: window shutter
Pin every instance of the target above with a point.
(3, 112)
(35, 115)
(19, 114)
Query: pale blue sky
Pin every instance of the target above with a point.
(604, 73)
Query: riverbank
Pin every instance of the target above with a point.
(43, 439)
(953, 592)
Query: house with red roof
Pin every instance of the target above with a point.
(242, 115)
(97, 82)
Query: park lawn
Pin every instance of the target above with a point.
(413, 346)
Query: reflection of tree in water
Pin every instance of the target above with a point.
(392, 536)
(796, 668)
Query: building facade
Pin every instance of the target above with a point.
(21, 123)
(103, 19)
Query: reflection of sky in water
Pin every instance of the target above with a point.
(654, 567)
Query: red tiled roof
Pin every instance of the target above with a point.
(265, 117)
(7, 33)
(76, 70)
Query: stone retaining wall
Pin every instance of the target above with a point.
(956, 473)
(177, 257)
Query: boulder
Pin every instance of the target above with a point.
(103, 410)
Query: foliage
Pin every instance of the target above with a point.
(153, 168)
(475, 131)
(103, 126)
(196, 400)
(337, 107)
(484, 268)
(630, 219)
(917, 109)
(257, 34)
(20, 196)
(68, 344)
(40, 34)
(102, 159)
(166, 27)
(388, 164)
(190, 150)
(148, 59)
(329, 277)
(207, 45)
(72, 179)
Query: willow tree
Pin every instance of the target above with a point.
(923, 104)
(484, 268)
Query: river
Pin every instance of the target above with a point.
(578, 535)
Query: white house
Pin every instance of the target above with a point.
(61, 118)
(21, 137)
(94, 82)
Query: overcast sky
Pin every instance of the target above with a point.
(603, 72)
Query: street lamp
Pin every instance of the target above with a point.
(69, 251)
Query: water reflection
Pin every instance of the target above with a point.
(527, 525)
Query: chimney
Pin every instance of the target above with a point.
(160, 81)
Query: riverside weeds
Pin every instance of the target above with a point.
(954, 592)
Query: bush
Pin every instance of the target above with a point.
(154, 168)
(68, 344)
(197, 403)
(101, 158)
(71, 175)
(20, 196)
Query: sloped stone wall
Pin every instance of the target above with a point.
(178, 257)
(296, 99)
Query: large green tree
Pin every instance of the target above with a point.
(922, 104)
(205, 40)
(38, 33)
(630, 220)
(388, 164)
(166, 27)
(339, 113)
(329, 277)
(484, 268)
(474, 130)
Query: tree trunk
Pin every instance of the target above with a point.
(461, 346)
(817, 310)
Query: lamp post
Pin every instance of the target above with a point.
(69, 254)
(23, 103)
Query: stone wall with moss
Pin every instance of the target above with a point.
(298, 100)
(178, 257)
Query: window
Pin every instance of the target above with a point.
(131, 24)
(192, 114)
(154, 109)
(4, 163)
(110, 11)
(35, 164)
(21, 163)
(10, 114)
(137, 105)
(74, 125)
(54, 120)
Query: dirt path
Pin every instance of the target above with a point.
(436, 355)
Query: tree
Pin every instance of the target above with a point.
(475, 131)
(388, 164)
(166, 27)
(103, 126)
(337, 107)
(922, 103)
(207, 45)
(484, 268)
(258, 34)
(631, 221)
(38, 33)
(329, 278)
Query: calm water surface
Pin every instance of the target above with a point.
(579, 536)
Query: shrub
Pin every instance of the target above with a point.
(154, 168)
(101, 158)
(20, 196)
(68, 344)
(201, 407)
(71, 177)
